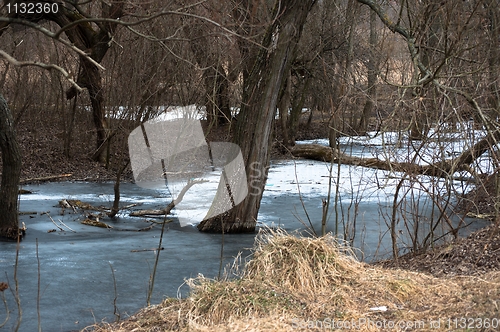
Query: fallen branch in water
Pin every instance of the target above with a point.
(60, 228)
(170, 206)
(141, 250)
(150, 227)
(60, 221)
(27, 212)
(142, 213)
(95, 223)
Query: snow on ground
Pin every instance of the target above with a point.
(397, 147)
(312, 178)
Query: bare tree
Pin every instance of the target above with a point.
(92, 42)
(254, 122)
(372, 67)
(210, 48)
(11, 171)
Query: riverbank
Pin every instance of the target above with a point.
(42, 139)
(420, 287)
(295, 283)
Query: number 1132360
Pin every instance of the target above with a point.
(473, 323)
(32, 8)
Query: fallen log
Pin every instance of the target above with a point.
(45, 178)
(327, 154)
(24, 192)
(142, 213)
(95, 223)
(443, 168)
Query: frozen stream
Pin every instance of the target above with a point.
(76, 282)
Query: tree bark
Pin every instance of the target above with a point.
(254, 123)
(372, 78)
(11, 172)
(94, 86)
(284, 106)
(297, 104)
(116, 202)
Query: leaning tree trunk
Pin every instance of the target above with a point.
(11, 171)
(254, 123)
(94, 86)
(96, 42)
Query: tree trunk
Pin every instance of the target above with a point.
(94, 86)
(418, 126)
(297, 106)
(333, 131)
(254, 123)
(217, 95)
(494, 56)
(494, 67)
(11, 172)
(372, 77)
(283, 107)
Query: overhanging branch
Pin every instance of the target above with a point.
(50, 34)
(48, 66)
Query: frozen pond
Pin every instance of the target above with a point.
(75, 267)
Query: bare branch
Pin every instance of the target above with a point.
(48, 66)
(171, 205)
(129, 25)
(410, 39)
(52, 35)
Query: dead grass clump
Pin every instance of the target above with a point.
(302, 283)
(166, 316)
(302, 264)
(306, 277)
(213, 302)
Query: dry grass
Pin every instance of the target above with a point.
(298, 283)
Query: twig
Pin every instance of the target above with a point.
(60, 228)
(152, 278)
(4, 286)
(66, 226)
(48, 66)
(141, 250)
(302, 201)
(167, 210)
(171, 205)
(38, 290)
(116, 312)
(16, 292)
